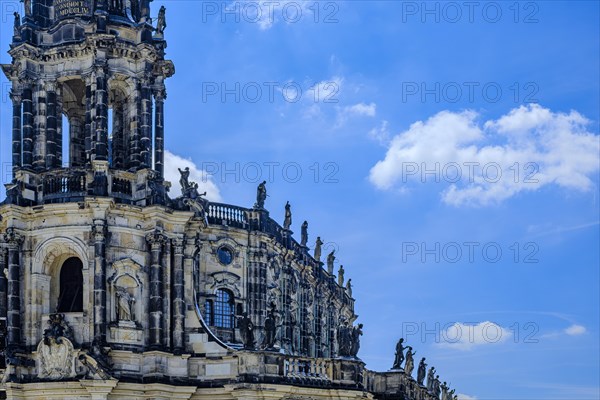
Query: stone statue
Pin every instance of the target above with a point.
(410, 361)
(349, 287)
(437, 390)
(304, 234)
(356, 334)
(451, 395)
(246, 331)
(344, 339)
(287, 222)
(161, 22)
(94, 369)
(421, 371)
(270, 328)
(184, 180)
(125, 303)
(430, 379)
(17, 24)
(399, 354)
(330, 260)
(27, 6)
(318, 245)
(261, 195)
(341, 275)
(444, 388)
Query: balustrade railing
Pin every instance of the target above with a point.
(225, 214)
(300, 368)
(59, 186)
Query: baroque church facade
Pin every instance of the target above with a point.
(111, 289)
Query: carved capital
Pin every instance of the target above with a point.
(160, 94)
(99, 231)
(178, 244)
(13, 238)
(156, 239)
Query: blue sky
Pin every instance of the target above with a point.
(386, 88)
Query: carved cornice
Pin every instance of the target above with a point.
(13, 238)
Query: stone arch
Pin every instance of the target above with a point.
(48, 259)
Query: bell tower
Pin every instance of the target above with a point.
(92, 72)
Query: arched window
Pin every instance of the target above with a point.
(71, 286)
(223, 315)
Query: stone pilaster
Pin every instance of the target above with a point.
(59, 127)
(118, 140)
(146, 125)
(101, 119)
(99, 237)
(13, 312)
(3, 282)
(159, 132)
(16, 132)
(156, 240)
(89, 119)
(39, 146)
(134, 129)
(27, 126)
(51, 125)
(178, 297)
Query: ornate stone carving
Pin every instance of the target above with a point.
(55, 352)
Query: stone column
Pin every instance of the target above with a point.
(134, 128)
(178, 298)
(159, 132)
(16, 133)
(146, 125)
(39, 117)
(13, 312)
(51, 125)
(101, 101)
(3, 283)
(59, 127)
(27, 127)
(99, 236)
(156, 240)
(118, 142)
(89, 120)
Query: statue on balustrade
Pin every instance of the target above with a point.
(356, 334)
(349, 287)
(261, 195)
(184, 180)
(437, 390)
(421, 371)
(304, 234)
(287, 222)
(399, 354)
(341, 272)
(410, 361)
(445, 391)
(430, 379)
(161, 22)
(330, 260)
(246, 331)
(17, 24)
(270, 328)
(318, 245)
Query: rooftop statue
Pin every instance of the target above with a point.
(261, 195)
(161, 22)
(304, 234)
(330, 260)
(399, 354)
(318, 245)
(287, 222)
(410, 361)
(421, 371)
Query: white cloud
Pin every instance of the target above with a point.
(463, 337)
(363, 109)
(465, 397)
(575, 330)
(265, 13)
(381, 134)
(205, 183)
(524, 150)
(325, 91)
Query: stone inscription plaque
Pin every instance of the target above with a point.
(66, 8)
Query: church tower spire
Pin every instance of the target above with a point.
(99, 66)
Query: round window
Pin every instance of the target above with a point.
(225, 255)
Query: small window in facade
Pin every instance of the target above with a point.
(225, 255)
(70, 298)
(208, 312)
(223, 309)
